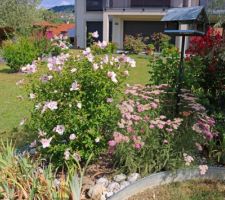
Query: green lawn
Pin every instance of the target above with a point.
(140, 73)
(13, 109)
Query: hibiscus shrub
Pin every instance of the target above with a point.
(149, 139)
(74, 103)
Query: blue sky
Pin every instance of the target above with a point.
(52, 3)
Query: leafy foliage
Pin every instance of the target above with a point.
(149, 139)
(25, 178)
(163, 67)
(74, 103)
(135, 44)
(18, 14)
(20, 53)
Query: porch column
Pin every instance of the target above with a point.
(117, 31)
(105, 26)
(179, 39)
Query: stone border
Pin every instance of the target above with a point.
(216, 173)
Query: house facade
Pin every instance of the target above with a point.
(114, 19)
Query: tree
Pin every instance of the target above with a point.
(19, 14)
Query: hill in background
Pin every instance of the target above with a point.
(63, 9)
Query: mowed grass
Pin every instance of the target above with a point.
(190, 190)
(13, 109)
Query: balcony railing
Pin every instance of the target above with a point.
(214, 7)
(132, 4)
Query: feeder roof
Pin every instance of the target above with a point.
(186, 15)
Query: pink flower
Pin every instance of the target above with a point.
(131, 62)
(188, 159)
(130, 129)
(29, 69)
(165, 142)
(95, 34)
(106, 59)
(75, 86)
(102, 44)
(160, 126)
(151, 126)
(73, 137)
(169, 130)
(87, 51)
(46, 142)
(60, 129)
(154, 105)
(90, 58)
(67, 155)
(203, 169)
(95, 66)
(52, 105)
(199, 146)
(32, 96)
(112, 75)
(45, 78)
(112, 143)
(138, 145)
(77, 157)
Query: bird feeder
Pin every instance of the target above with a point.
(195, 20)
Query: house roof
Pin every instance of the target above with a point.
(187, 14)
(61, 28)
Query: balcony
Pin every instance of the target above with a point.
(214, 7)
(136, 4)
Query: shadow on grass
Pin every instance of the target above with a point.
(19, 137)
(7, 71)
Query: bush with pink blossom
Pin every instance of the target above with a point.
(150, 139)
(74, 103)
(100, 47)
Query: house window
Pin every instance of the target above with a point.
(94, 5)
(150, 3)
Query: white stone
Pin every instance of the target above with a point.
(103, 181)
(124, 184)
(113, 187)
(109, 194)
(119, 178)
(96, 192)
(133, 177)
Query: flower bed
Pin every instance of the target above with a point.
(82, 110)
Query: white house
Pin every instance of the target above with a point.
(114, 19)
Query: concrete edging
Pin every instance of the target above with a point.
(215, 173)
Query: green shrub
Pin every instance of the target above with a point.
(74, 103)
(100, 48)
(164, 67)
(135, 44)
(43, 46)
(19, 53)
(160, 40)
